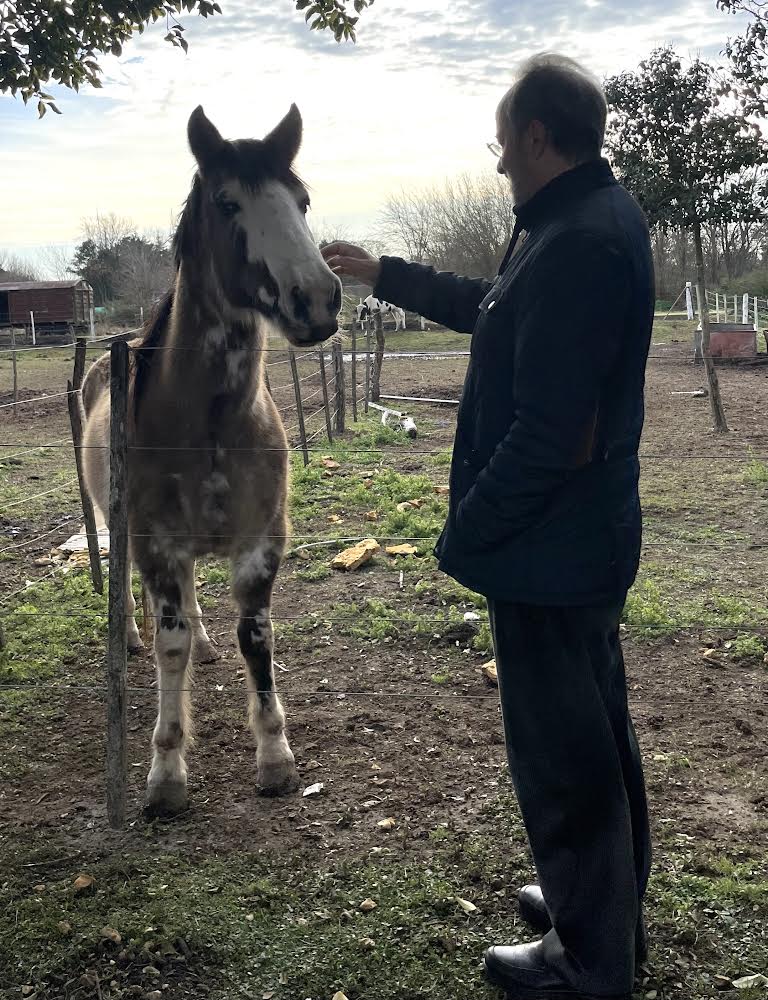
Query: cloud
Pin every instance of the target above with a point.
(409, 104)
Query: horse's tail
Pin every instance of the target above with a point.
(144, 355)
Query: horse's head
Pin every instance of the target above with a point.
(246, 213)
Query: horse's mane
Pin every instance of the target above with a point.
(154, 336)
(156, 330)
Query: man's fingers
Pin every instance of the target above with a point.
(346, 265)
(336, 262)
(340, 247)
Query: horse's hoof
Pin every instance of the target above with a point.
(204, 651)
(278, 779)
(165, 799)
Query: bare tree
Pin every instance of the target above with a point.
(145, 272)
(327, 231)
(106, 232)
(16, 268)
(56, 262)
(463, 225)
(410, 219)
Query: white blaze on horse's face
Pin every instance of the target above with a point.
(264, 255)
(273, 219)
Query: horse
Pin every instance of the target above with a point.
(369, 305)
(208, 455)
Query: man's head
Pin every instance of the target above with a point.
(551, 119)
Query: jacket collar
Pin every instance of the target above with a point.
(563, 190)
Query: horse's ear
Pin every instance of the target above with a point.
(285, 139)
(204, 138)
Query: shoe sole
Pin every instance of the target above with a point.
(520, 992)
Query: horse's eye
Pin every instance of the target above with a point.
(227, 208)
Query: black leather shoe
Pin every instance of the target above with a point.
(534, 912)
(521, 971)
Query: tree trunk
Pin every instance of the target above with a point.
(715, 401)
(683, 247)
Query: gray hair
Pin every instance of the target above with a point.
(563, 96)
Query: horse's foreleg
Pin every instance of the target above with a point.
(253, 581)
(132, 635)
(203, 650)
(167, 781)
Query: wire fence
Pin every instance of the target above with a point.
(316, 391)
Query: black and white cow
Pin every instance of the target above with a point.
(366, 307)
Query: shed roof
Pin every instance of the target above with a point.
(24, 286)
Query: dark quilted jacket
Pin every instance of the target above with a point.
(544, 505)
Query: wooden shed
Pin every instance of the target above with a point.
(59, 307)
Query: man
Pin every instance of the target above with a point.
(545, 517)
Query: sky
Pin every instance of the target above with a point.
(411, 103)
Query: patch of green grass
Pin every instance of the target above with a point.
(756, 473)
(288, 928)
(353, 491)
(214, 573)
(483, 641)
(677, 328)
(315, 572)
(659, 605)
(376, 620)
(52, 624)
(20, 497)
(748, 647)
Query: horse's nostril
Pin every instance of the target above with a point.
(336, 299)
(300, 305)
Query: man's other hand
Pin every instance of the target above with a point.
(348, 259)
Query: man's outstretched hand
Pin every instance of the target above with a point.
(348, 259)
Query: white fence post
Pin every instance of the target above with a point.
(717, 307)
(32, 321)
(688, 300)
(92, 323)
(745, 308)
(757, 318)
(735, 309)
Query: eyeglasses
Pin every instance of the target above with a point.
(496, 149)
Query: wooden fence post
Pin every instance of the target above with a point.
(15, 372)
(326, 408)
(379, 359)
(299, 405)
(354, 371)
(367, 363)
(341, 396)
(76, 422)
(118, 567)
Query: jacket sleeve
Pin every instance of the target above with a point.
(440, 296)
(561, 365)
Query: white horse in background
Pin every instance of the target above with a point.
(366, 307)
